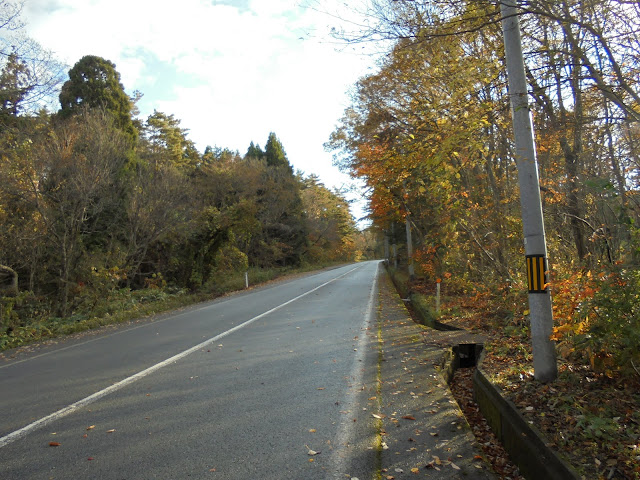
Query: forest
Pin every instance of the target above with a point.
(97, 203)
(102, 211)
(430, 133)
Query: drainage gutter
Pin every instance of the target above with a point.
(525, 444)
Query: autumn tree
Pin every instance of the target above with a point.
(330, 226)
(280, 212)
(66, 178)
(21, 230)
(419, 134)
(90, 210)
(222, 216)
(158, 211)
(581, 59)
(30, 74)
(429, 134)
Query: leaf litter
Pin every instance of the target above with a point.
(591, 418)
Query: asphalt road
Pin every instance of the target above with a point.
(241, 388)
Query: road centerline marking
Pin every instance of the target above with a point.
(63, 412)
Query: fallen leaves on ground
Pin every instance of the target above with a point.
(462, 388)
(591, 419)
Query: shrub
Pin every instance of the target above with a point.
(231, 259)
(598, 317)
(613, 316)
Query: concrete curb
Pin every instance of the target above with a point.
(525, 444)
(422, 431)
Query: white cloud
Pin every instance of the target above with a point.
(232, 71)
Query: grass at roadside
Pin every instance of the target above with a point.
(25, 318)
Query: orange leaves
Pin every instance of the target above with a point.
(569, 295)
(569, 328)
(427, 258)
(372, 150)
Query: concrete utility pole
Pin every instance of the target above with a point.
(544, 351)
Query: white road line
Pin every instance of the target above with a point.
(346, 430)
(13, 436)
(101, 337)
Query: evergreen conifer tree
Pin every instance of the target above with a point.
(254, 151)
(274, 153)
(95, 83)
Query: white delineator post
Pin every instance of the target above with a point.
(544, 352)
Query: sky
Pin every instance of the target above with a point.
(232, 71)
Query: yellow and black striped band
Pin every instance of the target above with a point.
(537, 273)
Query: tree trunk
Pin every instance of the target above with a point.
(573, 198)
(387, 256)
(497, 220)
(409, 247)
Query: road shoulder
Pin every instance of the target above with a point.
(422, 430)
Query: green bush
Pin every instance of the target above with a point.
(400, 280)
(613, 316)
(8, 316)
(426, 312)
(231, 259)
(21, 310)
